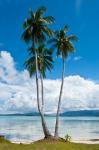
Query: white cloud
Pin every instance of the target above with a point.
(8, 72)
(77, 58)
(18, 91)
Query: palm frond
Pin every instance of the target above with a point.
(26, 36)
(49, 65)
(40, 11)
(49, 19)
(27, 23)
(32, 14)
(30, 65)
(66, 29)
(41, 38)
(72, 38)
(31, 51)
(48, 31)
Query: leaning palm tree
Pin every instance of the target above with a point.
(64, 46)
(35, 32)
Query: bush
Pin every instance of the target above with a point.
(67, 138)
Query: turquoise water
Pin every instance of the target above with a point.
(28, 128)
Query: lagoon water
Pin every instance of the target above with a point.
(28, 128)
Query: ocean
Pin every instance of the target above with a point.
(29, 129)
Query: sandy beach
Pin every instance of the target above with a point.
(91, 141)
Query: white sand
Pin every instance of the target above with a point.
(85, 141)
(21, 142)
(74, 141)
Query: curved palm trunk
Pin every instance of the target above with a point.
(59, 102)
(45, 129)
(44, 126)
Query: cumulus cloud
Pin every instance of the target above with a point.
(18, 91)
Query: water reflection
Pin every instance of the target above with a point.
(28, 128)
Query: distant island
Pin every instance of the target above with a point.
(78, 113)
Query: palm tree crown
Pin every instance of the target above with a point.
(44, 58)
(63, 42)
(36, 26)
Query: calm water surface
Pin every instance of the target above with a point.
(28, 128)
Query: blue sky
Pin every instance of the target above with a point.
(81, 15)
(17, 90)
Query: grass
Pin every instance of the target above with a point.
(47, 145)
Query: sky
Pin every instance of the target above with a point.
(81, 70)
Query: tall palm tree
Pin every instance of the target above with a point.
(64, 45)
(36, 31)
(45, 62)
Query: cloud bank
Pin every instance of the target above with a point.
(18, 91)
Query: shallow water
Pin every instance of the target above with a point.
(28, 128)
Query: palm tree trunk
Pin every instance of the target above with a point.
(44, 126)
(45, 129)
(37, 83)
(59, 102)
(42, 93)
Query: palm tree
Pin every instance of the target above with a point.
(45, 62)
(64, 46)
(36, 31)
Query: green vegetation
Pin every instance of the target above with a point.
(67, 138)
(47, 145)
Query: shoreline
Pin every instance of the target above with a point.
(26, 142)
(91, 141)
